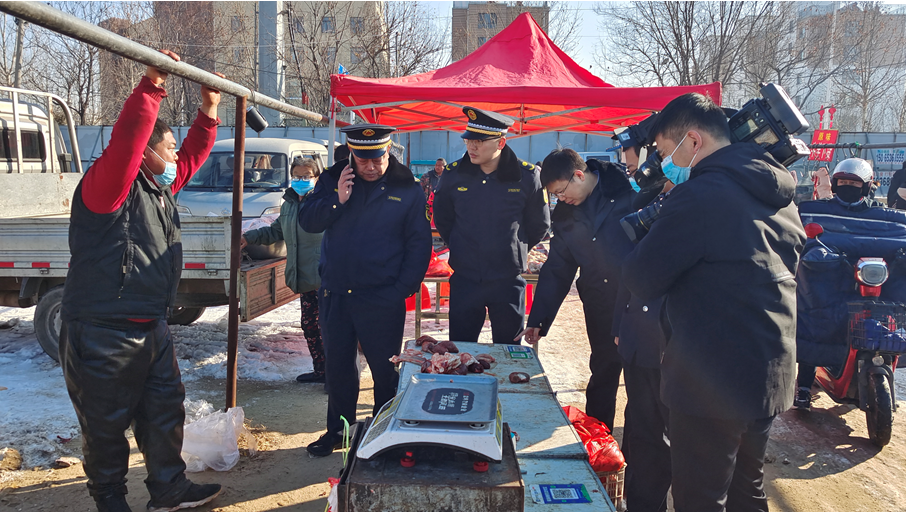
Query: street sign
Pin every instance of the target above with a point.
(823, 137)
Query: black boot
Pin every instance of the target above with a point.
(115, 502)
(195, 496)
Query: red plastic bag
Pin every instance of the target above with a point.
(438, 267)
(603, 451)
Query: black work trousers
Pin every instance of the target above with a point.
(648, 472)
(605, 366)
(718, 465)
(502, 299)
(117, 376)
(350, 319)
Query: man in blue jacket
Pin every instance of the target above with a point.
(490, 209)
(724, 251)
(376, 248)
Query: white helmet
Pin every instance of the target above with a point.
(853, 169)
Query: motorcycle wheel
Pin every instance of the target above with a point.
(880, 410)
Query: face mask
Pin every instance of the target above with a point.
(303, 187)
(849, 194)
(635, 186)
(169, 174)
(673, 172)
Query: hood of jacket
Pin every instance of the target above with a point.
(509, 167)
(397, 173)
(754, 169)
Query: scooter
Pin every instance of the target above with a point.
(877, 336)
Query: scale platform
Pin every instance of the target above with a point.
(461, 412)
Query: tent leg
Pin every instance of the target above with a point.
(332, 137)
(235, 253)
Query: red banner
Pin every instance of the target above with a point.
(823, 137)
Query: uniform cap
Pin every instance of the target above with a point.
(368, 140)
(483, 124)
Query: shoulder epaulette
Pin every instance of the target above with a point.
(527, 165)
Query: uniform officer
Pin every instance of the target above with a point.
(592, 198)
(377, 243)
(489, 209)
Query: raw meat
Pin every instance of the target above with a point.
(444, 363)
(519, 377)
(422, 339)
(428, 347)
(449, 345)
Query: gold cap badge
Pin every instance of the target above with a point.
(472, 115)
(368, 133)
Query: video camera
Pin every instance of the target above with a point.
(770, 121)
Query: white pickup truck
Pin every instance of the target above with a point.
(38, 177)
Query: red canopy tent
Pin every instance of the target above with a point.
(521, 73)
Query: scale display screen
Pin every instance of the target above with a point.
(448, 401)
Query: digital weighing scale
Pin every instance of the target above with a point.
(460, 412)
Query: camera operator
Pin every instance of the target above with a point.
(640, 342)
(592, 197)
(724, 252)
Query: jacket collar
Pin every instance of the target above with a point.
(509, 167)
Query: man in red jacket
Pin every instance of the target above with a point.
(115, 346)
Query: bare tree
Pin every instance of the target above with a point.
(370, 39)
(873, 47)
(8, 33)
(679, 43)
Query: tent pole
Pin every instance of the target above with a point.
(332, 137)
(235, 253)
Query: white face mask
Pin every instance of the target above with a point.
(169, 174)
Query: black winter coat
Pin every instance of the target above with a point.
(377, 243)
(724, 251)
(595, 245)
(893, 197)
(490, 221)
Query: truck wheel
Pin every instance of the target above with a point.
(48, 321)
(880, 410)
(184, 315)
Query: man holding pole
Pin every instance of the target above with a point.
(115, 347)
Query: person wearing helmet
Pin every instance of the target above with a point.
(851, 183)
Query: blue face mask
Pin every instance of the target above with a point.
(303, 187)
(169, 174)
(673, 172)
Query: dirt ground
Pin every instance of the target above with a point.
(820, 460)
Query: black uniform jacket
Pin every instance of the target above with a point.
(724, 251)
(596, 244)
(374, 243)
(490, 221)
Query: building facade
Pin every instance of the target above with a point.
(474, 23)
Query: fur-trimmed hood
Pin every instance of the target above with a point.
(397, 173)
(509, 168)
(614, 183)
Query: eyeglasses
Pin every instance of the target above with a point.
(476, 142)
(559, 195)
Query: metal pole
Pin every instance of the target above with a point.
(50, 18)
(332, 136)
(235, 253)
(20, 36)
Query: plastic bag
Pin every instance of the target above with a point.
(603, 451)
(212, 441)
(438, 267)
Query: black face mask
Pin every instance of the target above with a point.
(849, 193)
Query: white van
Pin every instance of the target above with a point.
(267, 166)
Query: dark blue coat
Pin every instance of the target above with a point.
(596, 245)
(724, 251)
(825, 277)
(376, 244)
(491, 221)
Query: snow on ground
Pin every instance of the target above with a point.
(36, 415)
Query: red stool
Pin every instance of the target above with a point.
(426, 300)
